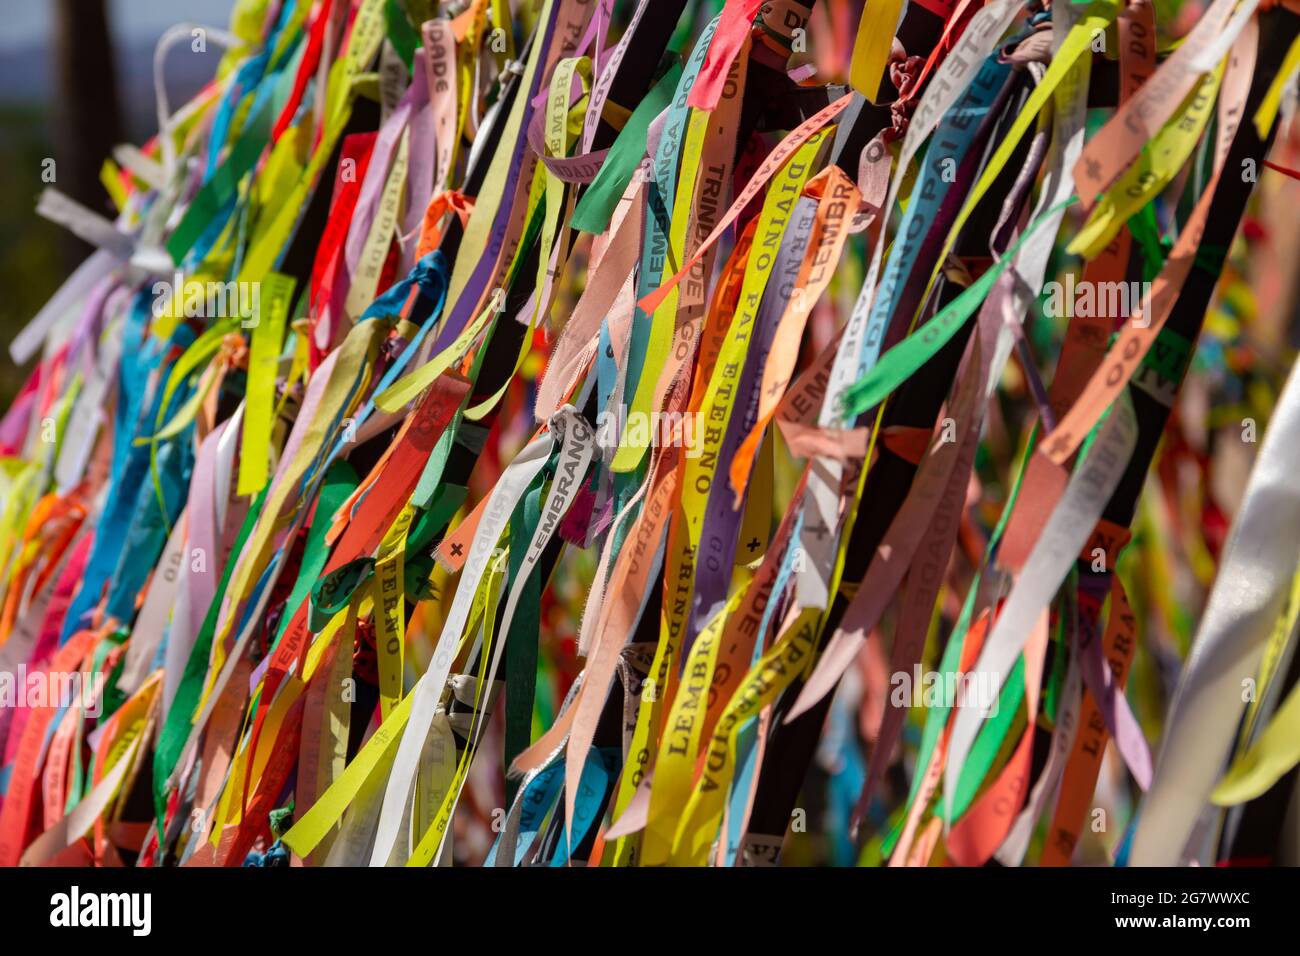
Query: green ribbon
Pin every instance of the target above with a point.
(597, 205)
(176, 726)
(898, 364)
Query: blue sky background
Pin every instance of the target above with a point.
(25, 23)
(32, 257)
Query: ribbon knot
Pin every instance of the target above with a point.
(904, 73)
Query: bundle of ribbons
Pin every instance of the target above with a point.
(579, 432)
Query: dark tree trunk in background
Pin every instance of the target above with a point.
(87, 115)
